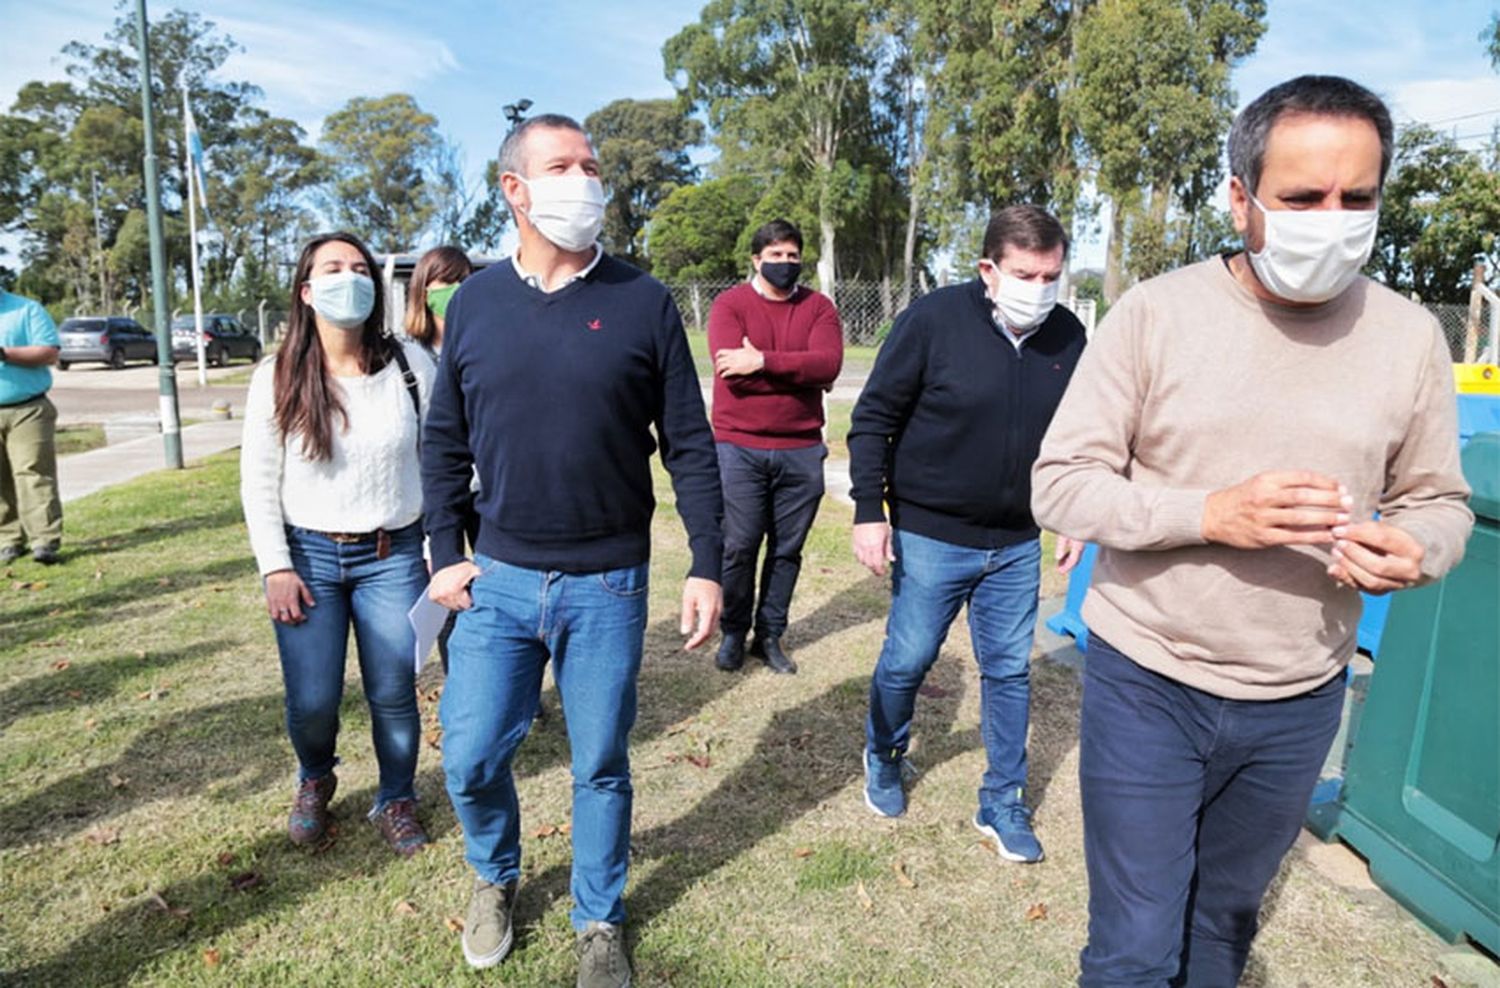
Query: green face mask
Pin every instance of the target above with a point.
(438, 298)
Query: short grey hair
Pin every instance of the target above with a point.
(1319, 95)
(512, 149)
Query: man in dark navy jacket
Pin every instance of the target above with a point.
(945, 432)
(557, 367)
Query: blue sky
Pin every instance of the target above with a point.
(464, 60)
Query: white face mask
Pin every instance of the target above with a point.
(344, 299)
(567, 209)
(1021, 304)
(1312, 255)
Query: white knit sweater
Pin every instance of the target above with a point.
(373, 480)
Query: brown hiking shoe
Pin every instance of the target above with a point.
(309, 819)
(398, 824)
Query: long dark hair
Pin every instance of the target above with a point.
(446, 264)
(306, 401)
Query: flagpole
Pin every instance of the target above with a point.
(187, 173)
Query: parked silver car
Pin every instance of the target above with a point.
(224, 339)
(111, 340)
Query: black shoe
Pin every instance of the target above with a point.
(46, 555)
(731, 652)
(10, 553)
(769, 649)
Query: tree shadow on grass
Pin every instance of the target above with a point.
(118, 601)
(182, 754)
(94, 681)
(804, 756)
(206, 905)
(224, 515)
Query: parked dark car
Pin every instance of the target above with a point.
(111, 340)
(224, 339)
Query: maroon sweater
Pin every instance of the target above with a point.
(781, 407)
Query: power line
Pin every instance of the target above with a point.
(1455, 119)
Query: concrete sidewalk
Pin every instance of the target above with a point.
(82, 474)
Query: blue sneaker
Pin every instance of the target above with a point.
(1009, 824)
(883, 793)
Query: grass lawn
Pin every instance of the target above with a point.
(79, 438)
(148, 776)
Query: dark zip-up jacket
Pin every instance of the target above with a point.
(553, 397)
(952, 417)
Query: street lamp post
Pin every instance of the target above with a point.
(171, 430)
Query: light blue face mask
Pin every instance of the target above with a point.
(344, 299)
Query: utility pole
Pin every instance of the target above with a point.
(171, 429)
(99, 249)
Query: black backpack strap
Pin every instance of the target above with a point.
(410, 380)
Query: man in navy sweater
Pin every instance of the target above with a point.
(556, 367)
(946, 431)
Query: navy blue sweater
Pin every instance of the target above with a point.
(952, 418)
(553, 398)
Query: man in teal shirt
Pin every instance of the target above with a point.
(30, 509)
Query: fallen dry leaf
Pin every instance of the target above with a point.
(102, 836)
(1036, 911)
(565, 828)
(435, 739)
(161, 904)
(61, 664)
(140, 653)
(165, 581)
(702, 761)
(211, 957)
(117, 781)
(154, 693)
(681, 726)
(988, 844)
(91, 723)
(56, 612)
(454, 924)
(899, 867)
(1438, 982)
(802, 852)
(546, 830)
(406, 908)
(245, 881)
(226, 858)
(865, 902)
(20, 585)
(39, 585)
(98, 574)
(74, 694)
(934, 691)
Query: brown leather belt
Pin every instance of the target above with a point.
(380, 537)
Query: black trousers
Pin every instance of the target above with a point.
(770, 495)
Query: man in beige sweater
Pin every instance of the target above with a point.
(1228, 437)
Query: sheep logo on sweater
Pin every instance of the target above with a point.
(595, 324)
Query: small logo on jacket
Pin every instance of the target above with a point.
(595, 324)
(1057, 366)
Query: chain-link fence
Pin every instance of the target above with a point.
(1454, 319)
(866, 308)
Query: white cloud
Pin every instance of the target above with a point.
(310, 66)
(1467, 108)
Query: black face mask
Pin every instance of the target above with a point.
(782, 274)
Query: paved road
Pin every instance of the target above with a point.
(94, 393)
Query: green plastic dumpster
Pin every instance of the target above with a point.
(1420, 799)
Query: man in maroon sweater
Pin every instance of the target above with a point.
(777, 347)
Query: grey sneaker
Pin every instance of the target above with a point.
(601, 957)
(9, 553)
(487, 930)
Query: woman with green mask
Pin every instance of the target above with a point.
(436, 278)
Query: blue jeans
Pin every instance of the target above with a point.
(1190, 801)
(593, 626)
(351, 586)
(770, 495)
(930, 581)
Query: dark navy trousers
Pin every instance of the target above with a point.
(1190, 801)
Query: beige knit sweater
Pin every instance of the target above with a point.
(1191, 385)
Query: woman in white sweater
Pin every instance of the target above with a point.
(330, 482)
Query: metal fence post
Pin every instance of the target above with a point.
(260, 311)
